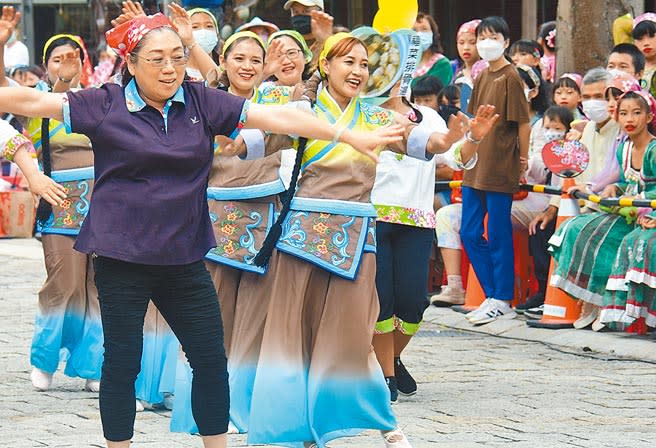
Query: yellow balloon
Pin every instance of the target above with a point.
(394, 15)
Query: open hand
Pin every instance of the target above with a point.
(8, 22)
(483, 122)
(182, 22)
(367, 142)
(322, 25)
(274, 58)
(42, 186)
(129, 10)
(71, 66)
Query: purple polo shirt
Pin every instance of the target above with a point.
(149, 201)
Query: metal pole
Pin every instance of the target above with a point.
(27, 24)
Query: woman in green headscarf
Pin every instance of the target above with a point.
(288, 58)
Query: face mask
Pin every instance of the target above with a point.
(207, 39)
(596, 110)
(551, 135)
(12, 39)
(302, 24)
(426, 40)
(490, 49)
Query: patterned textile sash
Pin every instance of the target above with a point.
(328, 233)
(240, 228)
(67, 219)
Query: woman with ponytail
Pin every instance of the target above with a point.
(67, 325)
(310, 350)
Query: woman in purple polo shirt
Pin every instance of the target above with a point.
(148, 225)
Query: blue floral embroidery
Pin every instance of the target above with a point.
(293, 233)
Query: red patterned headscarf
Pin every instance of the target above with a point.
(468, 27)
(124, 38)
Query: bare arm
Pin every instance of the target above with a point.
(285, 120)
(197, 55)
(40, 185)
(31, 103)
(524, 137)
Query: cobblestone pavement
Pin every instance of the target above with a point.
(474, 390)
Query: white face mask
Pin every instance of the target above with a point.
(426, 40)
(207, 39)
(490, 49)
(551, 135)
(596, 110)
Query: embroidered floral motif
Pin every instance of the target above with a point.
(407, 216)
(234, 224)
(334, 242)
(70, 214)
(13, 145)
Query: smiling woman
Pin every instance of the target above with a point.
(148, 226)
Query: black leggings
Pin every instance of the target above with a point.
(402, 255)
(186, 297)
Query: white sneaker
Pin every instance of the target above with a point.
(395, 439)
(497, 309)
(139, 406)
(40, 380)
(449, 296)
(589, 313)
(482, 309)
(92, 386)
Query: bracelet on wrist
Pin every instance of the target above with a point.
(65, 81)
(190, 47)
(471, 139)
(338, 134)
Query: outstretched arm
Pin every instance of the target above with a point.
(31, 103)
(289, 121)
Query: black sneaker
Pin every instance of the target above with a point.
(394, 392)
(532, 302)
(535, 313)
(406, 383)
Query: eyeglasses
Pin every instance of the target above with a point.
(175, 61)
(292, 53)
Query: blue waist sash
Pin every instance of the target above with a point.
(331, 234)
(67, 218)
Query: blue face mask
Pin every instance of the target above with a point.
(426, 39)
(207, 39)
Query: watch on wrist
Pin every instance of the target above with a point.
(65, 81)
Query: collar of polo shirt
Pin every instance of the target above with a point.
(135, 103)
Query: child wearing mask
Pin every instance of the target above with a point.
(488, 188)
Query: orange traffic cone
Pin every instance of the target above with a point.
(474, 294)
(560, 309)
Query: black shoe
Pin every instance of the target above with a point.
(533, 302)
(535, 313)
(406, 383)
(394, 392)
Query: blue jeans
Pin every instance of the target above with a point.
(186, 298)
(492, 258)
